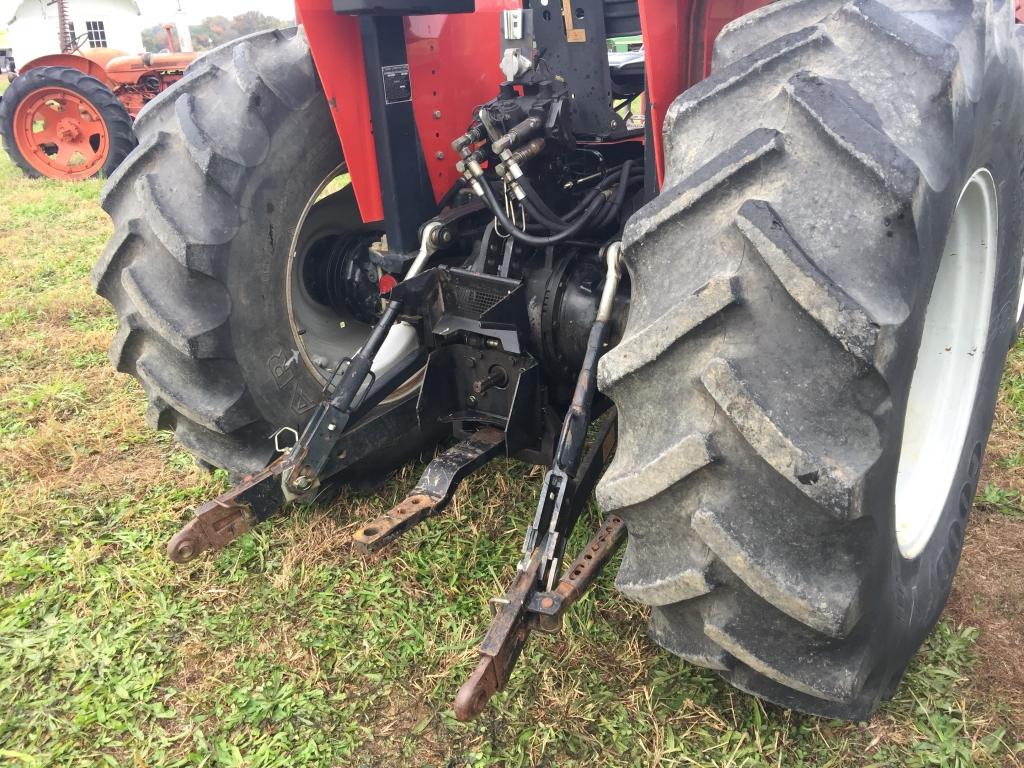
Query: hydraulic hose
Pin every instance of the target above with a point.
(555, 225)
(528, 239)
(602, 185)
(542, 211)
(615, 205)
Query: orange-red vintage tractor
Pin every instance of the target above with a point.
(69, 115)
(765, 320)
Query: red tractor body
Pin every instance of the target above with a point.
(453, 67)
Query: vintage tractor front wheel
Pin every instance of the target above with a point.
(239, 266)
(60, 123)
(823, 296)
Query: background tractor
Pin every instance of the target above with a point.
(765, 322)
(69, 115)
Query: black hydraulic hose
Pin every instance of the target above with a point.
(614, 206)
(590, 196)
(624, 177)
(611, 176)
(543, 212)
(616, 202)
(602, 185)
(538, 214)
(602, 214)
(528, 239)
(545, 215)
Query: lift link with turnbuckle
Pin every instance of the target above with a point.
(533, 601)
(299, 473)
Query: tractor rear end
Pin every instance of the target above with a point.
(757, 296)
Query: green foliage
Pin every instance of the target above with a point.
(213, 31)
(1002, 500)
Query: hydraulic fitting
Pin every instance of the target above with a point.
(511, 160)
(470, 166)
(516, 134)
(469, 138)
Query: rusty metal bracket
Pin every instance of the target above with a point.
(502, 645)
(433, 491)
(215, 525)
(524, 609)
(225, 518)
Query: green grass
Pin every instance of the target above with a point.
(287, 650)
(1002, 500)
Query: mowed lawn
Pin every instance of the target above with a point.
(289, 650)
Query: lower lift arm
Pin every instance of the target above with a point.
(534, 601)
(298, 473)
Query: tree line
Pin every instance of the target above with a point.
(213, 31)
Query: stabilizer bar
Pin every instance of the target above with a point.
(433, 491)
(533, 601)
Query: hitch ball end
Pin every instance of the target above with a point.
(477, 690)
(181, 549)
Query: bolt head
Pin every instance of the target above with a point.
(439, 155)
(437, 114)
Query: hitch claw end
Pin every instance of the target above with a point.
(220, 521)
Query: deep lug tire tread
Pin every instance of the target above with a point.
(177, 204)
(759, 560)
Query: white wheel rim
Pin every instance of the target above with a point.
(1020, 301)
(949, 365)
(401, 339)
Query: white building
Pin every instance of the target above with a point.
(32, 28)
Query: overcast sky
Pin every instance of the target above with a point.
(157, 11)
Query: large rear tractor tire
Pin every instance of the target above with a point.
(224, 264)
(60, 123)
(823, 296)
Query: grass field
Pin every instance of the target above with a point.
(288, 650)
